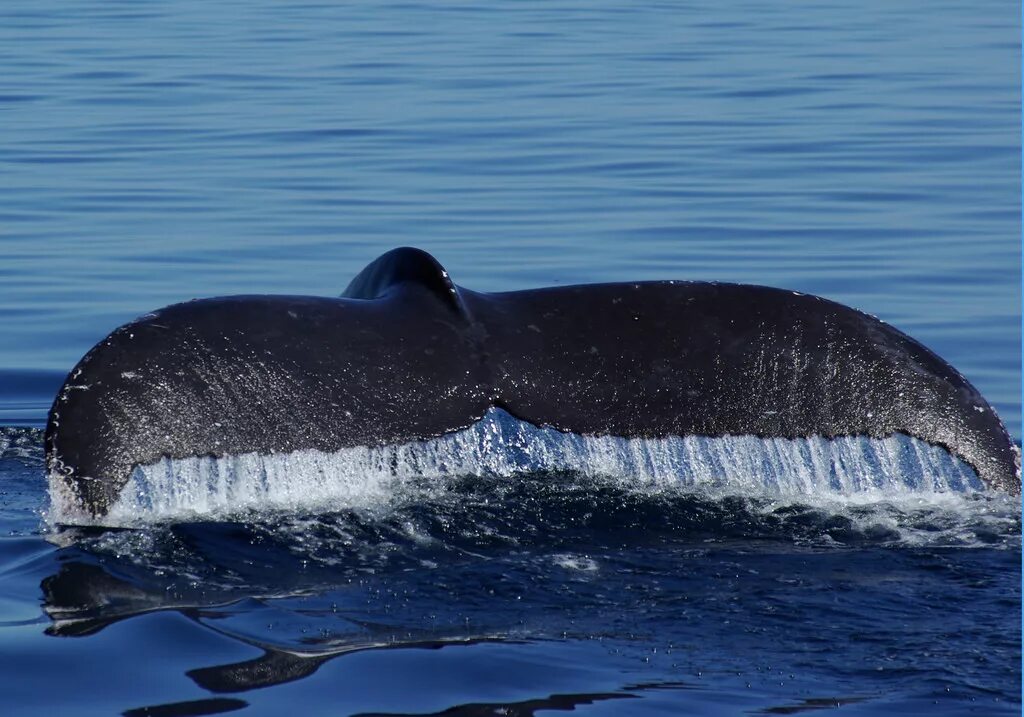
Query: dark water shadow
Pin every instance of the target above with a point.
(83, 598)
(539, 565)
(551, 703)
(812, 704)
(526, 708)
(192, 708)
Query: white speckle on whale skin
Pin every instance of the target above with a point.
(129, 374)
(979, 409)
(582, 563)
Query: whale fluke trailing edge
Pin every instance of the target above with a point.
(404, 354)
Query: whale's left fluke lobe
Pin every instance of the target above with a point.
(405, 355)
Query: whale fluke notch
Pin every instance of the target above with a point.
(407, 355)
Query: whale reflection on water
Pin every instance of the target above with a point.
(546, 558)
(82, 599)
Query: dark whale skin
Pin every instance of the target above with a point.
(407, 355)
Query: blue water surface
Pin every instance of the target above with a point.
(865, 151)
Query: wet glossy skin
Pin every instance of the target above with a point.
(407, 355)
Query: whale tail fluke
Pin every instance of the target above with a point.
(407, 355)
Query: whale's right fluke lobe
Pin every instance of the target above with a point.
(407, 355)
(687, 358)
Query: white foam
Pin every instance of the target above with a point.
(575, 563)
(856, 469)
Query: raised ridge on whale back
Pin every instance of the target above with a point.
(401, 266)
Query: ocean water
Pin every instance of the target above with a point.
(868, 152)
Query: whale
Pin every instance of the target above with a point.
(404, 354)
